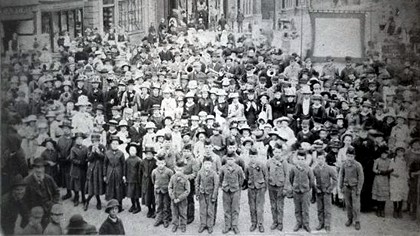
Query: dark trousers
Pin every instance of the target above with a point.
(162, 207)
(231, 201)
(190, 207)
(302, 201)
(256, 200)
(207, 210)
(179, 213)
(323, 203)
(277, 204)
(352, 203)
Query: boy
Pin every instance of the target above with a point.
(78, 168)
(54, 227)
(147, 166)
(190, 170)
(351, 180)
(206, 187)
(326, 180)
(256, 174)
(302, 181)
(231, 179)
(277, 177)
(179, 189)
(160, 178)
(112, 225)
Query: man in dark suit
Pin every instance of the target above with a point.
(41, 189)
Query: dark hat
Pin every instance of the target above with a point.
(149, 149)
(168, 136)
(17, 181)
(77, 222)
(115, 138)
(111, 204)
(188, 146)
(132, 144)
(95, 136)
(79, 135)
(39, 162)
(49, 140)
(301, 152)
(100, 107)
(231, 142)
(253, 151)
(66, 123)
(201, 131)
(351, 150)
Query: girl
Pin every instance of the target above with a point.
(398, 181)
(149, 137)
(50, 155)
(380, 189)
(113, 168)
(124, 136)
(148, 164)
(112, 225)
(133, 178)
(94, 176)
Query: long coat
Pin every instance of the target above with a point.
(94, 175)
(10, 209)
(45, 193)
(113, 170)
(147, 188)
(132, 175)
(78, 158)
(64, 145)
(112, 228)
(52, 170)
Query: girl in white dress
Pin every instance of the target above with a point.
(398, 181)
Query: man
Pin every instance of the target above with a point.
(13, 204)
(41, 189)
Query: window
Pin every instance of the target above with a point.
(297, 3)
(130, 15)
(283, 4)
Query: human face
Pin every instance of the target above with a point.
(231, 148)
(160, 163)
(321, 159)
(179, 169)
(114, 145)
(56, 217)
(207, 165)
(19, 192)
(277, 153)
(79, 140)
(39, 172)
(350, 157)
(300, 160)
(347, 140)
(132, 151)
(113, 212)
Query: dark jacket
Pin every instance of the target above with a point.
(45, 193)
(112, 228)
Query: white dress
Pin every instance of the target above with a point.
(399, 185)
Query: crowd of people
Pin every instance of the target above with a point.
(173, 119)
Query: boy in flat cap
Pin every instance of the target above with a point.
(351, 180)
(179, 188)
(256, 174)
(231, 179)
(206, 187)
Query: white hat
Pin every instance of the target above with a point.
(150, 125)
(83, 101)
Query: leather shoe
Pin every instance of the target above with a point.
(357, 225)
(280, 227)
(274, 226)
(189, 221)
(76, 203)
(201, 229)
(175, 228)
(319, 227)
(327, 228)
(210, 230)
(136, 210)
(157, 223)
(236, 230)
(166, 224)
(86, 206)
(296, 228)
(349, 222)
(225, 230)
(252, 228)
(261, 229)
(65, 197)
(99, 206)
(307, 228)
(183, 229)
(131, 209)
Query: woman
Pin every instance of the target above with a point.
(94, 180)
(113, 173)
(205, 103)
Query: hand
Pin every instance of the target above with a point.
(124, 179)
(342, 190)
(318, 190)
(197, 197)
(105, 179)
(176, 200)
(213, 199)
(395, 175)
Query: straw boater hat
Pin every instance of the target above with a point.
(283, 118)
(83, 101)
(150, 125)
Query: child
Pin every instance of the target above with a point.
(133, 178)
(218, 140)
(94, 177)
(147, 190)
(160, 178)
(256, 174)
(112, 225)
(64, 144)
(206, 187)
(351, 180)
(50, 155)
(398, 182)
(302, 181)
(277, 179)
(231, 179)
(380, 188)
(190, 170)
(34, 225)
(149, 137)
(78, 159)
(54, 227)
(179, 189)
(326, 180)
(113, 172)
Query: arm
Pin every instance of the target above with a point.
(153, 176)
(311, 179)
(184, 195)
(171, 188)
(333, 176)
(291, 177)
(216, 185)
(241, 176)
(222, 175)
(197, 184)
(361, 179)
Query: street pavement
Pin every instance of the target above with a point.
(140, 225)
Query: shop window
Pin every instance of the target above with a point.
(130, 15)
